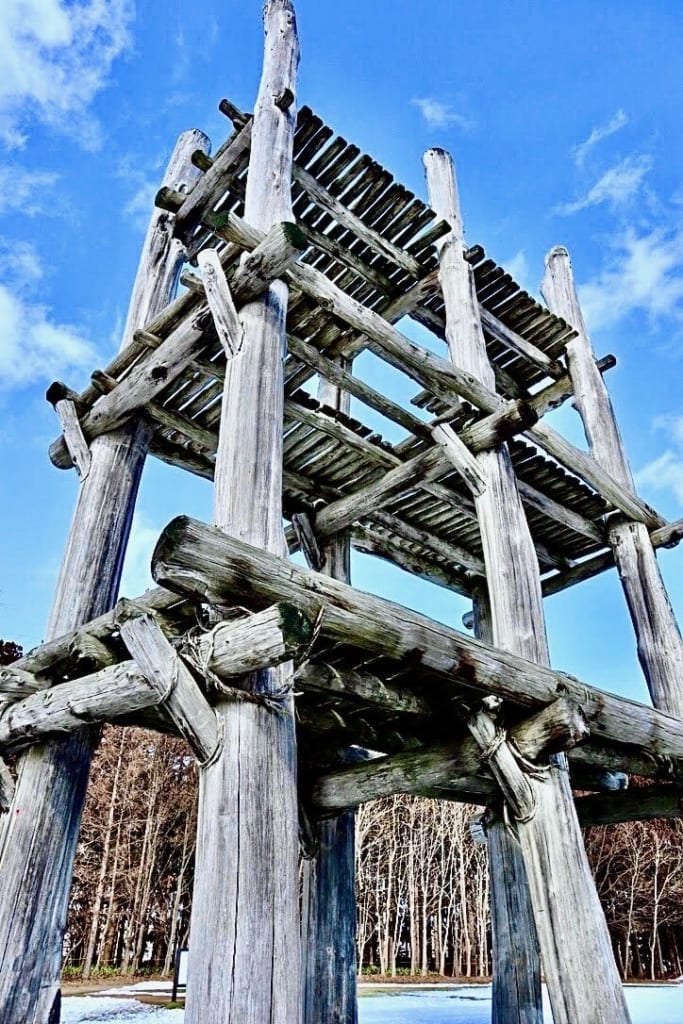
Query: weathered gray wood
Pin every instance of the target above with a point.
(660, 646)
(516, 995)
(516, 957)
(556, 873)
(6, 787)
(329, 924)
(90, 700)
(308, 543)
(37, 848)
(245, 909)
(559, 726)
(60, 397)
(664, 537)
(219, 297)
(570, 922)
(172, 680)
(328, 927)
(524, 348)
(201, 562)
(460, 457)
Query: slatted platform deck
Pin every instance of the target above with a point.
(375, 240)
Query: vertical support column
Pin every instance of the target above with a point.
(583, 982)
(245, 931)
(38, 843)
(516, 995)
(329, 898)
(660, 647)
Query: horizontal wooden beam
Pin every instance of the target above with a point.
(201, 562)
(556, 727)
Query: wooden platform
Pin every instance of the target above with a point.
(371, 237)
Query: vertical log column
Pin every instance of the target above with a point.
(516, 995)
(576, 951)
(39, 840)
(329, 898)
(245, 931)
(660, 648)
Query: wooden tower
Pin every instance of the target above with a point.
(308, 253)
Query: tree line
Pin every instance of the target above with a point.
(422, 881)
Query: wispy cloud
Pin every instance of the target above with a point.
(643, 272)
(137, 576)
(34, 346)
(603, 131)
(616, 186)
(56, 56)
(518, 268)
(440, 115)
(24, 191)
(665, 473)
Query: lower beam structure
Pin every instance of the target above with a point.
(329, 924)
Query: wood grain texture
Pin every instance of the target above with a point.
(38, 843)
(572, 931)
(202, 563)
(245, 909)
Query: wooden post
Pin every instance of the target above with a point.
(516, 992)
(583, 982)
(244, 944)
(660, 647)
(38, 844)
(329, 900)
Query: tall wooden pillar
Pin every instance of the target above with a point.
(660, 647)
(516, 994)
(328, 928)
(39, 840)
(244, 944)
(582, 978)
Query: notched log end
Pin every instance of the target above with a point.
(57, 392)
(169, 199)
(297, 628)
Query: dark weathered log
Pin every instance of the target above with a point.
(516, 995)
(630, 805)
(308, 542)
(6, 787)
(569, 915)
(557, 727)
(203, 563)
(329, 924)
(660, 646)
(328, 927)
(363, 686)
(246, 897)
(37, 848)
(172, 681)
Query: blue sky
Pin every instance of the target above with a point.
(565, 126)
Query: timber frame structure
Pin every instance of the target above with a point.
(302, 696)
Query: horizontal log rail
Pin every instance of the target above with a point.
(202, 563)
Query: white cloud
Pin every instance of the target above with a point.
(581, 151)
(141, 204)
(33, 345)
(665, 473)
(23, 191)
(518, 268)
(56, 56)
(440, 115)
(643, 273)
(616, 186)
(137, 576)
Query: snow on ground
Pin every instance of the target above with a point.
(451, 1004)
